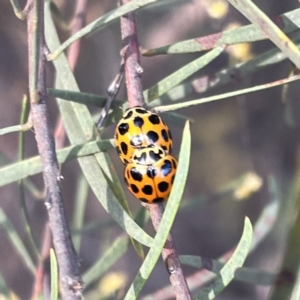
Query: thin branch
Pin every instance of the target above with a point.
(133, 72)
(170, 256)
(71, 282)
(112, 91)
(131, 54)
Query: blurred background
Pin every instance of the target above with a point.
(253, 134)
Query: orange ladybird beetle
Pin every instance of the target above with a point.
(140, 128)
(150, 174)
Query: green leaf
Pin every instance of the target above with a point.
(32, 166)
(100, 23)
(227, 95)
(249, 275)
(271, 30)
(81, 194)
(289, 22)
(54, 275)
(229, 75)
(80, 127)
(227, 272)
(180, 75)
(83, 98)
(4, 290)
(16, 241)
(167, 219)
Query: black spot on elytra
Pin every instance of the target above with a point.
(124, 148)
(165, 148)
(118, 150)
(151, 172)
(155, 156)
(123, 128)
(172, 179)
(154, 119)
(152, 136)
(134, 188)
(147, 189)
(170, 135)
(129, 114)
(174, 163)
(125, 161)
(142, 158)
(136, 174)
(136, 141)
(166, 168)
(144, 200)
(158, 200)
(164, 135)
(163, 186)
(141, 110)
(138, 122)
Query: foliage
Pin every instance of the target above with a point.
(98, 170)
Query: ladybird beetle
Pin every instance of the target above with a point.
(150, 174)
(140, 128)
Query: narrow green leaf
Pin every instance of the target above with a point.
(81, 194)
(100, 23)
(226, 274)
(272, 31)
(4, 160)
(227, 95)
(54, 275)
(296, 290)
(83, 98)
(249, 275)
(115, 252)
(32, 166)
(4, 290)
(15, 128)
(16, 241)
(229, 75)
(80, 127)
(167, 219)
(180, 75)
(114, 115)
(289, 269)
(288, 22)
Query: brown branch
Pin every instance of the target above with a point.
(133, 72)
(71, 282)
(131, 54)
(170, 256)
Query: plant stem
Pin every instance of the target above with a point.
(131, 54)
(71, 282)
(133, 80)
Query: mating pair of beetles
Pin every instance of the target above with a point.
(144, 144)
